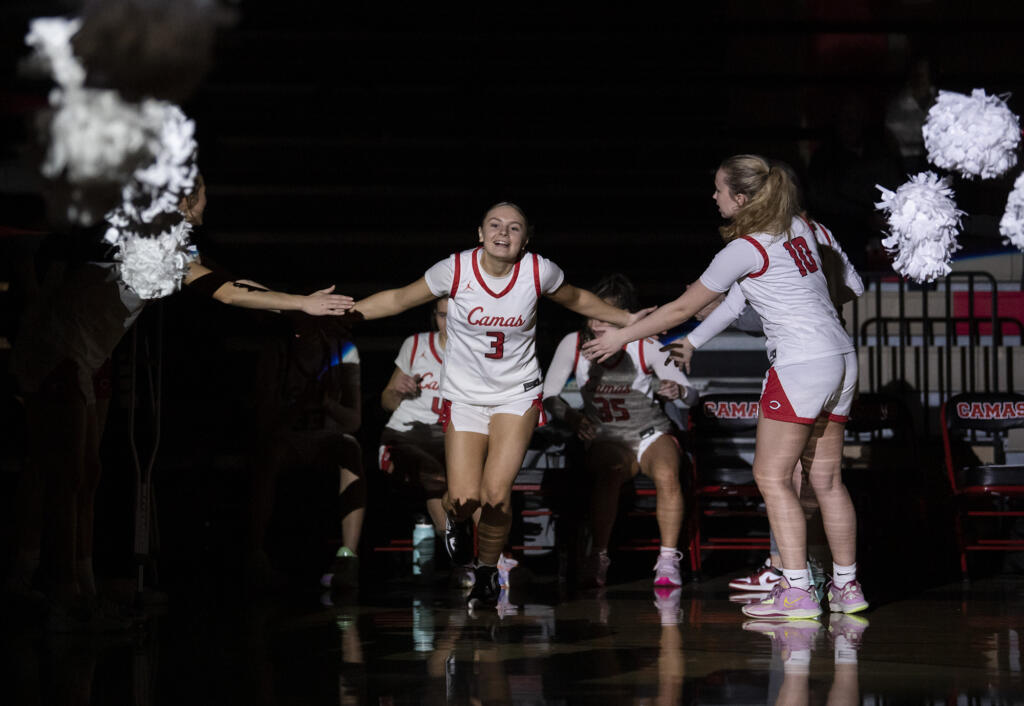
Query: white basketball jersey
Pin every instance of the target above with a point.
(490, 357)
(621, 395)
(421, 355)
(787, 289)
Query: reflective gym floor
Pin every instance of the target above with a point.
(396, 642)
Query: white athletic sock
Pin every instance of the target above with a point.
(668, 550)
(797, 578)
(845, 653)
(798, 662)
(842, 575)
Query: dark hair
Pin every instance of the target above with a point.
(618, 289)
(434, 312)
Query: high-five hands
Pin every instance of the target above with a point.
(324, 303)
(612, 340)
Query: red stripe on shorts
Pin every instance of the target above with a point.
(446, 414)
(542, 418)
(775, 404)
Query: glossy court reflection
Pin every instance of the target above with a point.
(404, 644)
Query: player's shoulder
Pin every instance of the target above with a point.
(570, 339)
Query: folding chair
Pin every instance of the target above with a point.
(722, 439)
(986, 490)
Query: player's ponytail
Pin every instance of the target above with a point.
(772, 200)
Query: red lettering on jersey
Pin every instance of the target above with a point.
(481, 319)
(612, 389)
(427, 382)
(731, 410)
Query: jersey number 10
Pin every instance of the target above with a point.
(802, 255)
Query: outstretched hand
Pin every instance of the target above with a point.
(680, 353)
(637, 315)
(604, 346)
(323, 303)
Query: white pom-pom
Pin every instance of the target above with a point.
(923, 225)
(155, 267)
(1011, 225)
(158, 187)
(94, 135)
(50, 37)
(975, 135)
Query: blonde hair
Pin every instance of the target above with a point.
(772, 197)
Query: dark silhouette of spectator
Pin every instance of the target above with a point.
(906, 112)
(309, 407)
(842, 174)
(79, 313)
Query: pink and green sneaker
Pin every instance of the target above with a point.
(786, 603)
(848, 599)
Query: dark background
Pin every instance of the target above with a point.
(357, 143)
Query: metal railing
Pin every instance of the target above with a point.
(927, 341)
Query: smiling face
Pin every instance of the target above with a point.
(728, 202)
(503, 233)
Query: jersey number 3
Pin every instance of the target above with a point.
(497, 345)
(802, 255)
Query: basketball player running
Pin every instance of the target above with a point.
(491, 380)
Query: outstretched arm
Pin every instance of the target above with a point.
(394, 301)
(246, 294)
(695, 298)
(588, 304)
(557, 375)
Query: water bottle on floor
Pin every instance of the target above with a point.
(423, 548)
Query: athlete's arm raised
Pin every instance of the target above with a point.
(588, 304)
(244, 294)
(394, 301)
(664, 317)
(737, 259)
